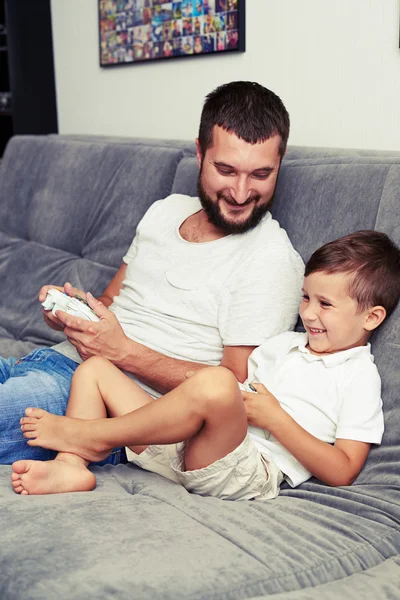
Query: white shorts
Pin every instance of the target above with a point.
(244, 474)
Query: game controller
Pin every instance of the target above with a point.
(77, 306)
(248, 387)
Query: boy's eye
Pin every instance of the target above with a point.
(305, 297)
(325, 304)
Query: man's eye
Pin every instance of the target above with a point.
(225, 171)
(261, 176)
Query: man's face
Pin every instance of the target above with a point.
(237, 180)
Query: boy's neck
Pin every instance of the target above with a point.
(311, 351)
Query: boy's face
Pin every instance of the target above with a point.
(330, 315)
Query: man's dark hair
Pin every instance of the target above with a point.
(247, 109)
(372, 261)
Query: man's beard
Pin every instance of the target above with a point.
(215, 216)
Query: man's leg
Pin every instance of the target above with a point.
(41, 379)
(98, 389)
(206, 411)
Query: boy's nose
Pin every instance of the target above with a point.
(308, 313)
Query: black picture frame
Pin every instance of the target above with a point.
(139, 31)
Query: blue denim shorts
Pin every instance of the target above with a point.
(41, 379)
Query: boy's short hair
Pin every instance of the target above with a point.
(247, 109)
(373, 262)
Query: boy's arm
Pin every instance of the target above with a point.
(335, 465)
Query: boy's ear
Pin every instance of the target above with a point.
(375, 316)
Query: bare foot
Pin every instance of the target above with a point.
(63, 434)
(51, 477)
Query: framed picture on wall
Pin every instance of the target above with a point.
(137, 31)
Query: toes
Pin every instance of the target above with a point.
(31, 441)
(28, 421)
(20, 466)
(38, 413)
(28, 427)
(18, 489)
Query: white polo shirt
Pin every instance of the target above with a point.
(332, 396)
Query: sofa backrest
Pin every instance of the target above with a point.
(82, 197)
(69, 206)
(68, 212)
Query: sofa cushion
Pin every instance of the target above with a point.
(68, 212)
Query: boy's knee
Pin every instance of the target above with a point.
(93, 364)
(217, 384)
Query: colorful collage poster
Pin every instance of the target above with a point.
(139, 30)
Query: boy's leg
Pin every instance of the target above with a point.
(99, 389)
(206, 411)
(68, 471)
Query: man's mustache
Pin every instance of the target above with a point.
(222, 196)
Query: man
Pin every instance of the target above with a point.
(205, 281)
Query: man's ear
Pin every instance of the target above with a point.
(199, 153)
(374, 317)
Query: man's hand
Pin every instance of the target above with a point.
(262, 408)
(105, 338)
(50, 320)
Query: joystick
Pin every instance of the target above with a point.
(77, 306)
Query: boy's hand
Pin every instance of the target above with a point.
(262, 408)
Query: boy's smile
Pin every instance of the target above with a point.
(330, 316)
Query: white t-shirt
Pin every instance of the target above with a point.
(189, 300)
(333, 396)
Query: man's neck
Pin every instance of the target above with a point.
(197, 229)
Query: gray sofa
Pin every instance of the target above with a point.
(68, 211)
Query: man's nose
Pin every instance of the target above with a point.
(241, 191)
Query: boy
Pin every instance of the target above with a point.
(320, 414)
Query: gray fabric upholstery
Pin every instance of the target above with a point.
(69, 206)
(70, 217)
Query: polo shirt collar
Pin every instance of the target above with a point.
(300, 341)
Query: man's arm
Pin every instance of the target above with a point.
(235, 359)
(335, 465)
(107, 339)
(164, 374)
(114, 287)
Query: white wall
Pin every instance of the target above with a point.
(335, 64)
